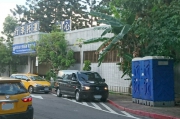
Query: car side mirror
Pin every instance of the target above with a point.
(103, 80)
(28, 80)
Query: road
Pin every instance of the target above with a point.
(48, 106)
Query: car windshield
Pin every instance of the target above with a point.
(89, 76)
(37, 78)
(12, 88)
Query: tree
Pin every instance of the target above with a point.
(53, 49)
(154, 30)
(87, 66)
(4, 57)
(9, 25)
(119, 29)
(49, 12)
(7, 58)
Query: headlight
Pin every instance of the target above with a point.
(85, 87)
(36, 85)
(105, 88)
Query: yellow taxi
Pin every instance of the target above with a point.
(33, 82)
(15, 100)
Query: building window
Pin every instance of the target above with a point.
(111, 56)
(93, 57)
(77, 57)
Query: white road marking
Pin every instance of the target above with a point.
(37, 96)
(85, 103)
(96, 106)
(108, 108)
(112, 111)
(127, 114)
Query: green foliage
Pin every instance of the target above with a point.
(7, 59)
(119, 28)
(50, 74)
(53, 48)
(4, 57)
(9, 25)
(52, 12)
(87, 66)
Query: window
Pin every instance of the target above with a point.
(12, 88)
(18, 77)
(91, 56)
(89, 76)
(24, 77)
(111, 56)
(77, 57)
(67, 77)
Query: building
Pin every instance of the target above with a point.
(109, 70)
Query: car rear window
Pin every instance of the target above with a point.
(12, 88)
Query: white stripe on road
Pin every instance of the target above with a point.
(84, 103)
(96, 106)
(127, 114)
(108, 108)
(112, 112)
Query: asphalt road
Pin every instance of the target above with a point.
(48, 106)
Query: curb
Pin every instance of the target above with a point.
(142, 113)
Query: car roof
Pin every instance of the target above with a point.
(27, 74)
(8, 79)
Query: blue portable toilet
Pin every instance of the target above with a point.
(157, 81)
(136, 75)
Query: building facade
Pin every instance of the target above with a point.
(108, 69)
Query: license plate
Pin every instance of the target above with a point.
(46, 88)
(7, 106)
(97, 96)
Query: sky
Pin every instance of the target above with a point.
(5, 6)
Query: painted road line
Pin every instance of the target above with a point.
(101, 109)
(96, 105)
(127, 114)
(37, 96)
(108, 108)
(85, 103)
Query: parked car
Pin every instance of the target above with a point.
(15, 101)
(82, 85)
(33, 82)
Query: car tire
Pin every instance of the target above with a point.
(104, 99)
(31, 89)
(46, 92)
(58, 93)
(77, 96)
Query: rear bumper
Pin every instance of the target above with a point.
(28, 114)
(42, 89)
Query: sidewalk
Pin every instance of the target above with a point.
(124, 102)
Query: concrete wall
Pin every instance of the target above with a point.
(27, 38)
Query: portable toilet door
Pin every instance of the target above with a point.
(136, 75)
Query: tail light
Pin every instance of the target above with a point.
(27, 99)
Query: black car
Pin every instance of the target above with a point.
(82, 85)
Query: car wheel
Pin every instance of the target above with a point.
(46, 92)
(30, 89)
(77, 96)
(104, 99)
(58, 93)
